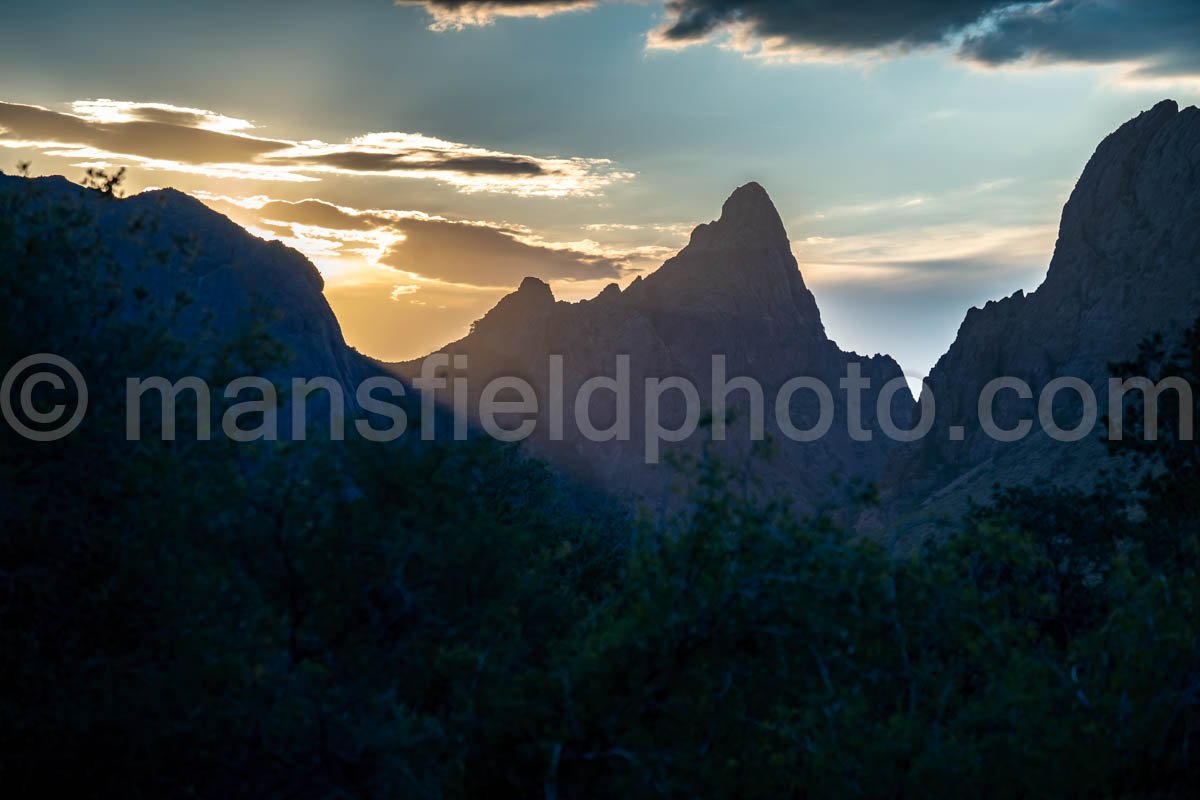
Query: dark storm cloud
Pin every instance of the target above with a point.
(1159, 36)
(827, 24)
(835, 24)
(1162, 35)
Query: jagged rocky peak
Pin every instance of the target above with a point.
(535, 290)
(735, 292)
(610, 292)
(533, 298)
(748, 221)
(738, 268)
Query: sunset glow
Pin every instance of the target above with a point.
(457, 200)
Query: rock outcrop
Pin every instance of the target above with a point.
(1126, 266)
(735, 291)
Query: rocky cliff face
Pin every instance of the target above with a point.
(735, 290)
(1126, 265)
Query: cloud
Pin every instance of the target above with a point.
(404, 282)
(822, 25)
(826, 24)
(154, 135)
(922, 258)
(383, 161)
(427, 247)
(318, 213)
(459, 252)
(124, 111)
(459, 14)
(1155, 38)
(196, 141)
(1160, 37)
(919, 280)
(465, 167)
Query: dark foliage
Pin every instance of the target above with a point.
(310, 620)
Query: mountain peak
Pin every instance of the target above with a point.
(535, 288)
(532, 298)
(750, 197)
(1167, 106)
(1136, 183)
(748, 221)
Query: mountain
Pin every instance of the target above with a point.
(169, 244)
(1126, 266)
(735, 291)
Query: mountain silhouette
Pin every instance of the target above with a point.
(1125, 267)
(170, 245)
(735, 291)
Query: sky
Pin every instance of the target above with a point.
(429, 154)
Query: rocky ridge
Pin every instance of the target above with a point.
(735, 290)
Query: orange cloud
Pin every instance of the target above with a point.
(459, 14)
(195, 141)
